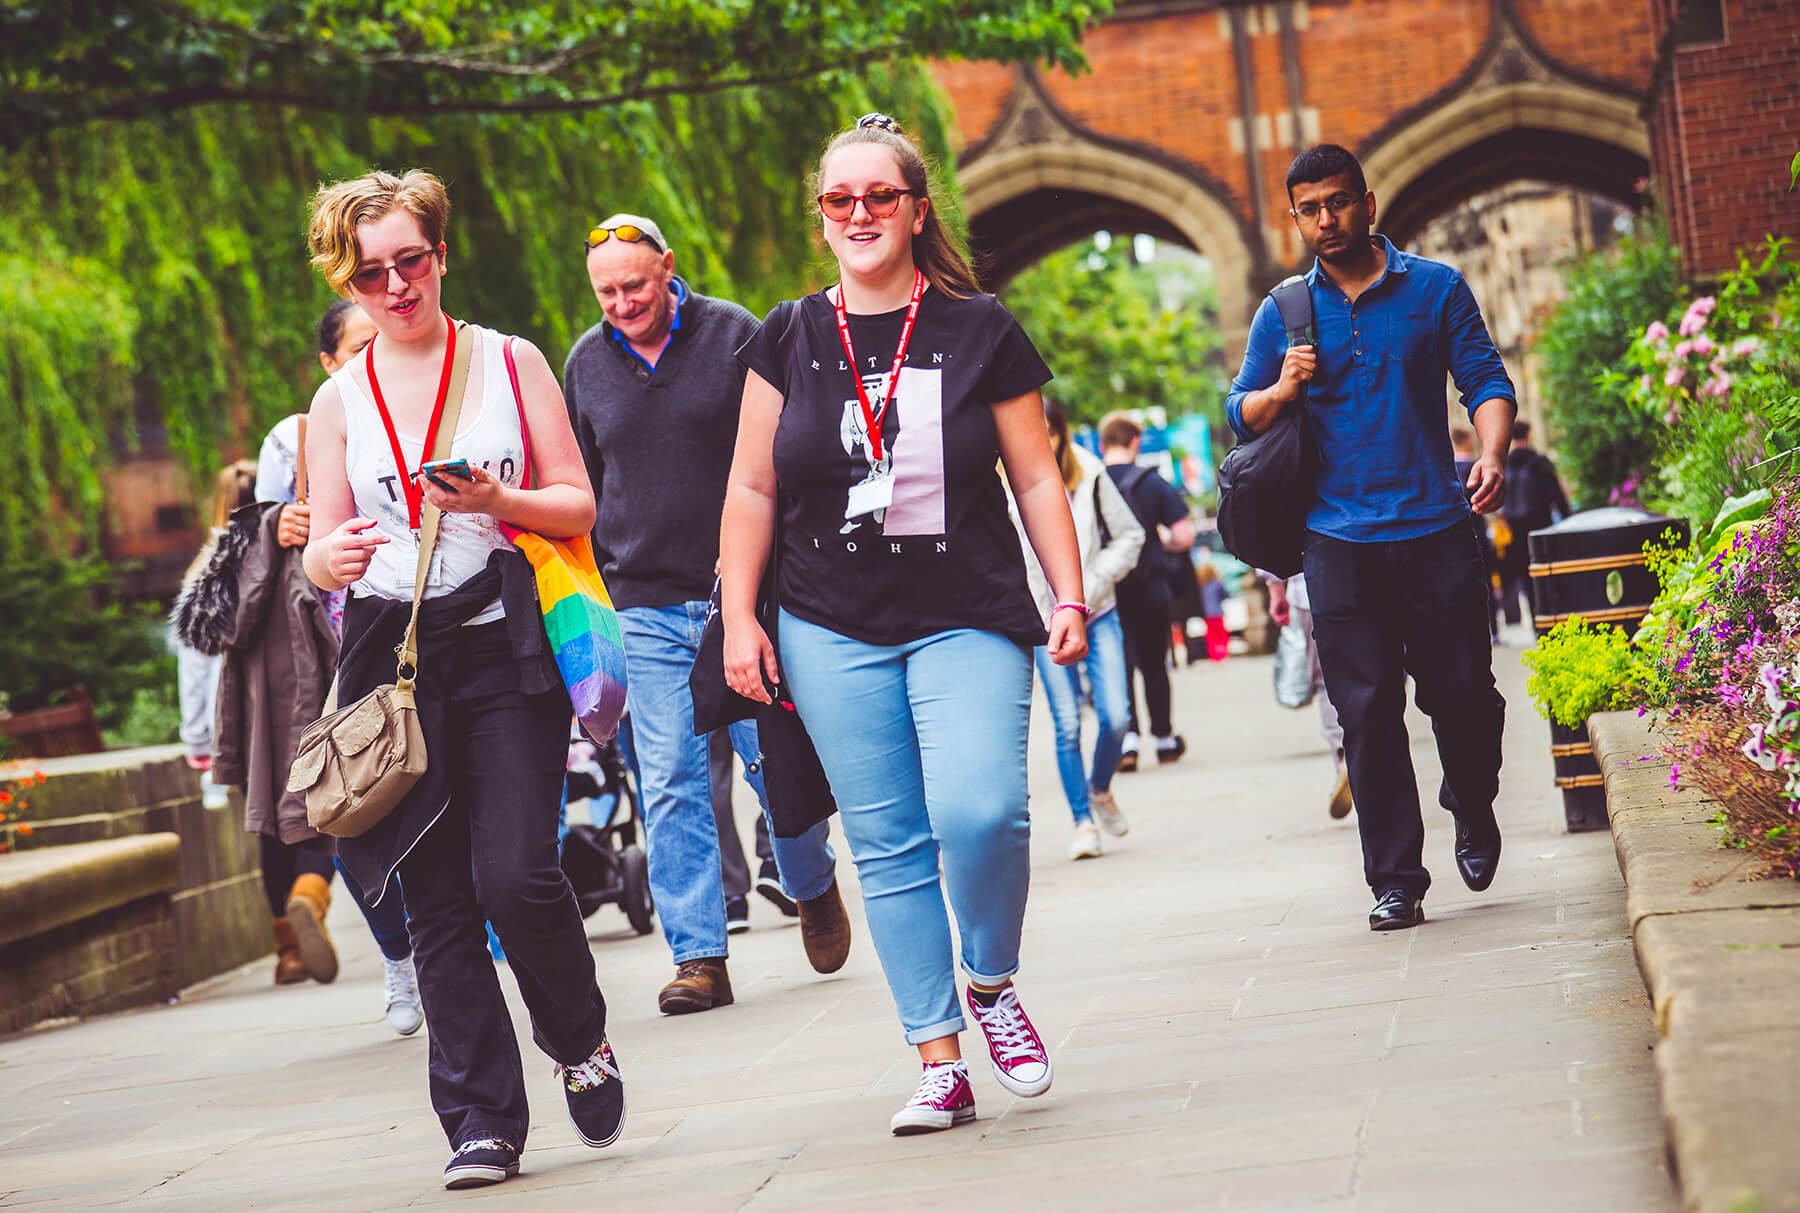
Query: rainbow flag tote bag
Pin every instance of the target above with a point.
(579, 619)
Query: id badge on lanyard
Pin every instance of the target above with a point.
(876, 490)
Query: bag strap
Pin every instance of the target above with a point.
(512, 373)
(1100, 514)
(300, 465)
(430, 515)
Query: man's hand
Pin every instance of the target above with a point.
(294, 527)
(1297, 367)
(1487, 485)
(1279, 610)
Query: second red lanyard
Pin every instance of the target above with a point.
(873, 417)
(409, 485)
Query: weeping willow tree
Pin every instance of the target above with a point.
(156, 160)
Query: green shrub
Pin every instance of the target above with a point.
(1579, 668)
(66, 625)
(1603, 438)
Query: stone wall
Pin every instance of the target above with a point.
(218, 916)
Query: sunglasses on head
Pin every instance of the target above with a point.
(881, 203)
(631, 233)
(410, 266)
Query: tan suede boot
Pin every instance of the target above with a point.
(308, 901)
(288, 968)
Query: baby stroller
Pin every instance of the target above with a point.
(602, 858)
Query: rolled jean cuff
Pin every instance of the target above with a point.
(823, 889)
(936, 1031)
(992, 983)
(716, 953)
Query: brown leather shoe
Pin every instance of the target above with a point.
(825, 930)
(308, 901)
(699, 985)
(288, 968)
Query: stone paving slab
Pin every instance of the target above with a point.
(1228, 1035)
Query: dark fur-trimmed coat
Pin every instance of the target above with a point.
(255, 603)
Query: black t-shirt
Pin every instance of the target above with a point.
(943, 554)
(1156, 503)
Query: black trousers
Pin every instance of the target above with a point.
(1144, 618)
(1382, 611)
(283, 863)
(492, 857)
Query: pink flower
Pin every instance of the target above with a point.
(1695, 318)
(1683, 348)
(1703, 345)
(1744, 346)
(1644, 383)
(1675, 376)
(1717, 386)
(1657, 331)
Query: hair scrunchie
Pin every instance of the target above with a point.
(879, 120)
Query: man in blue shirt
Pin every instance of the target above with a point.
(1391, 559)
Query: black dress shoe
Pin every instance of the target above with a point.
(1396, 910)
(1477, 854)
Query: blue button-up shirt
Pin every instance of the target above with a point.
(1377, 399)
(678, 288)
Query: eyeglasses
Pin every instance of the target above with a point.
(1338, 204)
(881, 202)
(628, 232)
(410, 266)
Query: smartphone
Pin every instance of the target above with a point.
(434, 469)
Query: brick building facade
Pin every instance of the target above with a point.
(1723, 108)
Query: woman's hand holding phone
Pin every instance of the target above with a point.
(481, 493)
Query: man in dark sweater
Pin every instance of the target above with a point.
(653, 392)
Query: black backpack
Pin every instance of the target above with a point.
(1144, 569)
(1266, 484)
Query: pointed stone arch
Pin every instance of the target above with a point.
(1038, 182)
(1516, 115)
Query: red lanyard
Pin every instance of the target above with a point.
(871, 416)
(409, 484)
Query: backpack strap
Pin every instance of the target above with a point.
(1293, 299)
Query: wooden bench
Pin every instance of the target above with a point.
(56, 732)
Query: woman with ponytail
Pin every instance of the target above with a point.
(874, 414)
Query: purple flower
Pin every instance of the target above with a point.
(1675, 775)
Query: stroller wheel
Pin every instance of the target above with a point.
(634, 877)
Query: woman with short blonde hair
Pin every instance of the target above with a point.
(476, 838)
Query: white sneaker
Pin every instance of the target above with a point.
(1086, 843)
(1108, 814)
(401, 989)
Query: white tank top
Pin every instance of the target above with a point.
(487, 434)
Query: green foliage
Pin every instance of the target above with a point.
(154, 275)
(1579, 668)
(66, 626)
(67, 63)
(1124, 334)
(1602, 437)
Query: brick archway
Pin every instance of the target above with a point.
(1556, 131)
(1026, 200)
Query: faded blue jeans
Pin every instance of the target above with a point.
(681, 839)
(924, 745)
(1104, 666)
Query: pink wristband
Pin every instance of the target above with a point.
(1072, 606)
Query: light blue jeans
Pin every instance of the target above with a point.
(1104, 666)
(924, 745)
(681, 839)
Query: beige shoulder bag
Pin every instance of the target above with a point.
(356, 763)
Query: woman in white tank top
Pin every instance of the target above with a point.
(475, 839)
